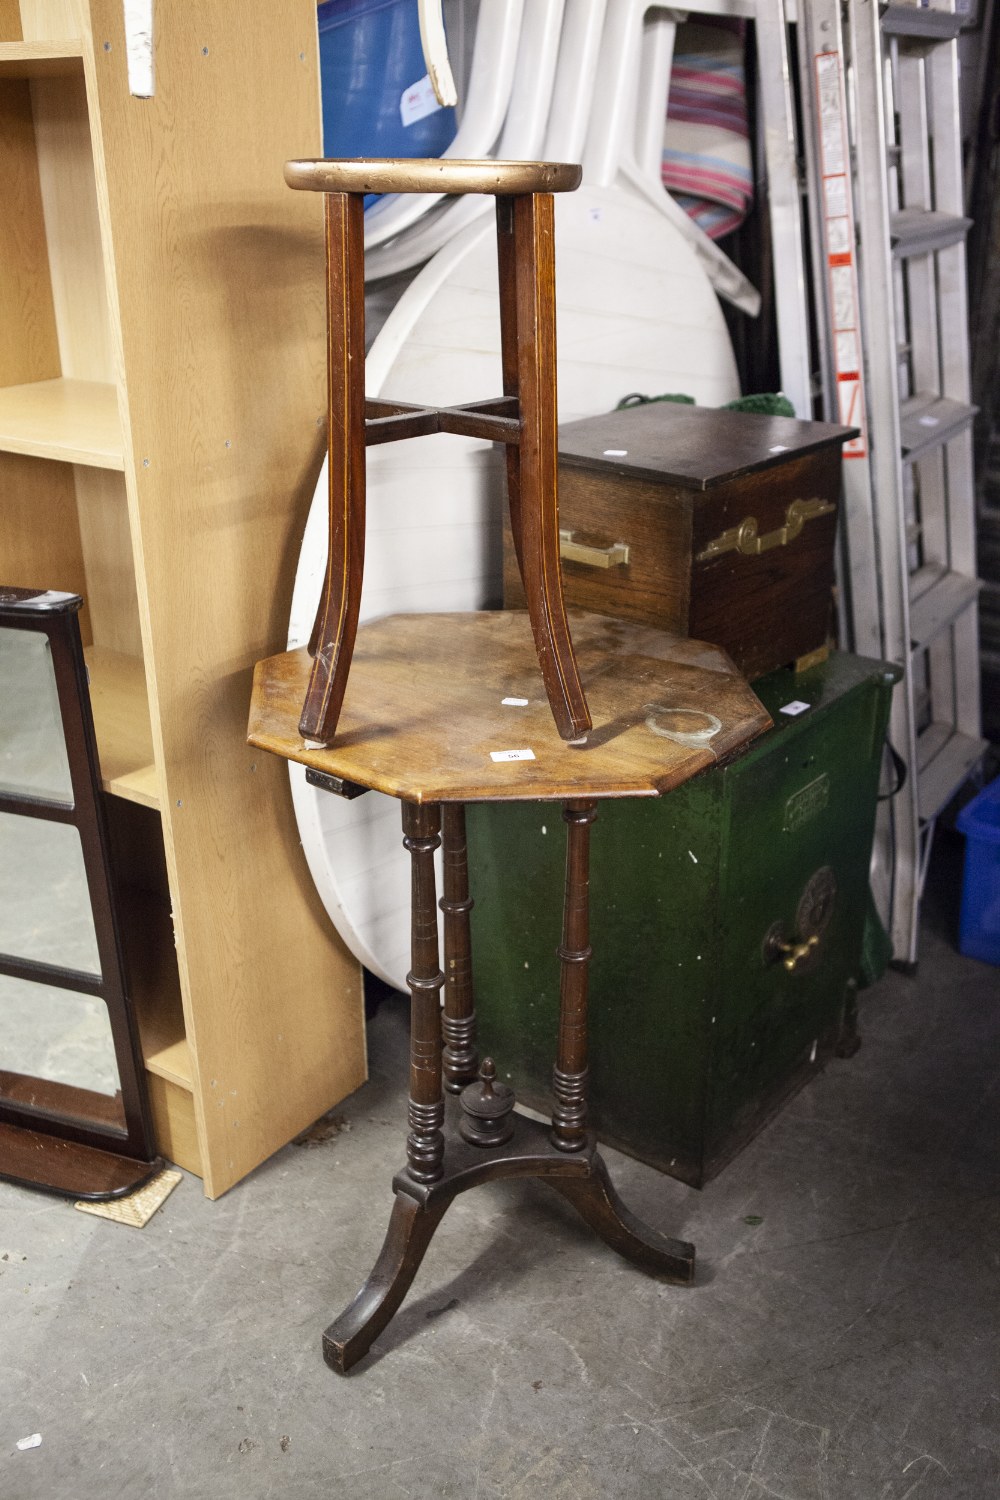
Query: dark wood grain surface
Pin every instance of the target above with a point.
(36, 1159)
(770, 609)
(766, 609)
(695, 446)
(424, 710)
(654, 520)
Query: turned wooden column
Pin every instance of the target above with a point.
(569, 1077)
(425, 1142)
(458, 1021)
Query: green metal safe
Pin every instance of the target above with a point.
(727, 922)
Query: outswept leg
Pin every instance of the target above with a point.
(335, 629)
(525, 245)
(411, 1229)
(597, 1202)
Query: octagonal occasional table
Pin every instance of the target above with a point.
(444, 710)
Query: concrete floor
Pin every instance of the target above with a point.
(840, 1343)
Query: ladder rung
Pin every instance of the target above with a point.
(937, 597)
(930, 741)
(921, 231)
(919, 21)
(925, 578)
(927, 421)
(945, 759)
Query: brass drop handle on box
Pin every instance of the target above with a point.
(745, 540)
(615, 556)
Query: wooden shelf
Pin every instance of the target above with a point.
(154, 987)
(41, 59)
(184, 568)
(155, 993)
(121, 721)
(75, 421)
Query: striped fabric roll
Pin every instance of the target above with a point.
(707, 165)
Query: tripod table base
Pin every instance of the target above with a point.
(580, 1176)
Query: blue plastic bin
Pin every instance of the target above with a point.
(369, 54)
(979, 928)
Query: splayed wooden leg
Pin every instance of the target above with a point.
(411, 1229)
(596, 1201)
(335, 629)
(526, 254)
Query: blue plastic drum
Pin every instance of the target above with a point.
(371, 69)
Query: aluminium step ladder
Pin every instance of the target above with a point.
(888, 234)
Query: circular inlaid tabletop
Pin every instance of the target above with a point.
(451, 708)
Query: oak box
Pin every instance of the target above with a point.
(717, 524)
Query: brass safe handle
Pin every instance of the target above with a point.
(793, 955)
(615, 556)
(796, 952)
(745, 540)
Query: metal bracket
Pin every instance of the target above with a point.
(336, 784)
(745, 540)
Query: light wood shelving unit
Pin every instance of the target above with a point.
(162, 393)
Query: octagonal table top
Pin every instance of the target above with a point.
(451, 708)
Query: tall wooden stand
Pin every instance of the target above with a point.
(565, 1156)
(422, 722)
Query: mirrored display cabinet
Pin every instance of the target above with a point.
(74, 1114)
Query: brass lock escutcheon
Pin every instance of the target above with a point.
(615, 556)
(745, 539)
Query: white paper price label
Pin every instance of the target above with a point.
(512, 755)
(418, 101)
(793, 708)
